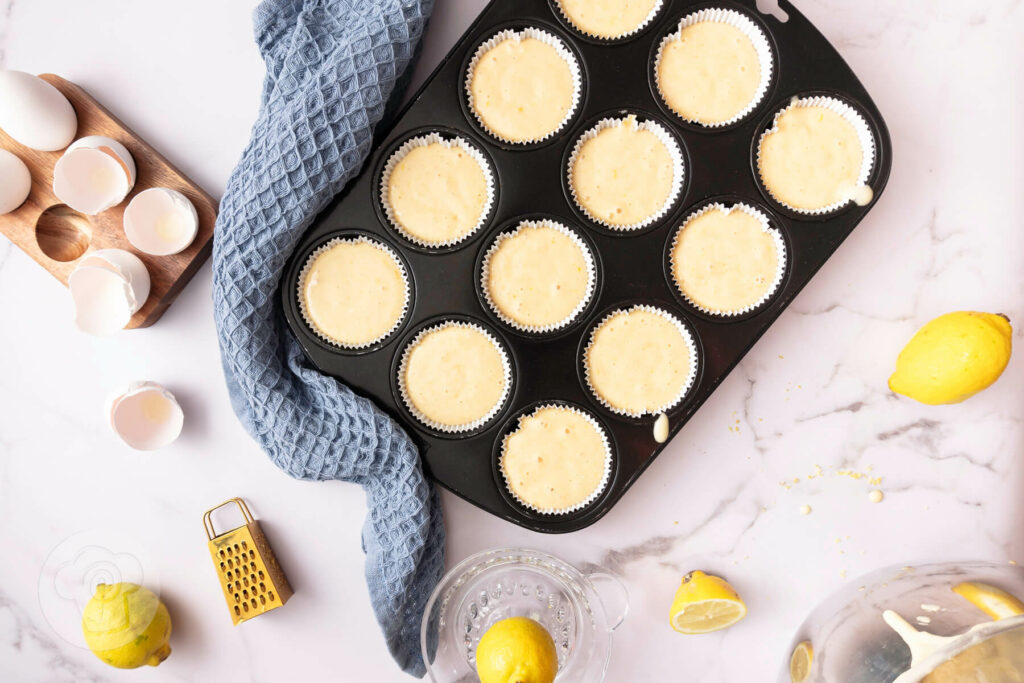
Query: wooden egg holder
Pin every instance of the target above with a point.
(57, 237)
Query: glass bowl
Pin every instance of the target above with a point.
(519, 582)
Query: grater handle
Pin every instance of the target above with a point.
(208, 519)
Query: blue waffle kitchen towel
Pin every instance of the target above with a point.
(332, 68)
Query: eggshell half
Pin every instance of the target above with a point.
(35, 113)
(15, 182)
(108, 287)
(146, 416)
(160, 221)
(94, 174)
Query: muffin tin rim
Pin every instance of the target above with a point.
(508, 226)
(510, 423)
(669, 24)
(774, 222)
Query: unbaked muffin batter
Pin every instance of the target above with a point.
(638, 362)
(454, 375)
(522, 89)
(710, 73)
(725, 262)
(607, 18)
(623, 175)
(555, 459)
(537, 276)
(437, 193)
(354, 292)
(811, 159)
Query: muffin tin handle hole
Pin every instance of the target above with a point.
(772, 8)
(614, 597)
(62, 233)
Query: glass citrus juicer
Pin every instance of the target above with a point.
(935, 623)
(517, 582)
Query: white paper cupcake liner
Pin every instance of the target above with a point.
(606, 476)
(304, 273)
(751, 30)
(544, 37)
(423, 141)
(780, 249)
(678, 169)
(440, 426)
(640, 27)
(588, 258)
(684, 331)
(860, 125)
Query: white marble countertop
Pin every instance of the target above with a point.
(946, 235)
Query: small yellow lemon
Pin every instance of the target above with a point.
(705, 603)
(800, 662)
(953, 357)
(995, 602)
(516, 650)
(127, 626)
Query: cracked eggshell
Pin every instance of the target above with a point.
(35, 113)
(94, 174)
(146, 416)
(15, 182)
(108, 287)
(160, 221)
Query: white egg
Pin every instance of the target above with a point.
(15, 182)
(108, 287)
(35, 113)
(160, 221)
(94, 174)
(146, 416)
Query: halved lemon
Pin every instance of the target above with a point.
(800, 662)
(705, 603)
(995, 602)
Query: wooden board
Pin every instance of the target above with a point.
(57, 237)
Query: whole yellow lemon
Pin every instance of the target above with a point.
(516, 650)
(127, 626)
(953, 357)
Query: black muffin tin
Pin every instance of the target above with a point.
(632, 266)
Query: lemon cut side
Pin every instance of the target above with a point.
(705, 603)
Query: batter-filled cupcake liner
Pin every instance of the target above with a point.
(780, 250)
(740, 21)
(304, 273)
(605, 477)
(544, 37)
(450, 143)
(691, 376)
(678, 169)
(506, 364)
(588, 258)
(640, 27)
(860, 126)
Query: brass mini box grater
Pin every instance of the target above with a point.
(250, 576)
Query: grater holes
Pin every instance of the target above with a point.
(252, 555)
(245, 593)
(270, 595)
(262, 587)
(245, 607)
(236, 547)
(238, 612)
(263, 600)
(261, 574)
(229, 576)
(222, 552)
(237, 599)
(231, 564)
(245, 579)
(252, 566)
(223, 567)
(254, 606)
(244, 545)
